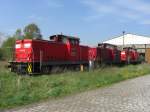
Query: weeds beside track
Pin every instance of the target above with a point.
(18, 90)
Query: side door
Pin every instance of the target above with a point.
(74, 50)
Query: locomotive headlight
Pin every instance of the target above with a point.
(18, 46)
(28, 58)
(123, 53)
(27, 45)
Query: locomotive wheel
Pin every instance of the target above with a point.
(46, 69)
(55, 69)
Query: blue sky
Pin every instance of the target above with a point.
(91, 20)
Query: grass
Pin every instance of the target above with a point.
(21, 90)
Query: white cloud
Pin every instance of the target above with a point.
(145, 22)
(132, 10)
(53, 4)
(35, 18)
(138, 6)
(11, 31)
(98, 7)
(50, 4)
(92, 17)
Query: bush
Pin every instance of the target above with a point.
(1, 54)
(7, 48)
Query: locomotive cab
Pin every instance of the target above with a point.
(72, 44)
(65, 39)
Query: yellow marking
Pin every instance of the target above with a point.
(29, 68)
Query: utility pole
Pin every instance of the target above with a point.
(123, 38)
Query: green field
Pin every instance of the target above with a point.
(21, 90)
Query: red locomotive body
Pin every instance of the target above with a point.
(34, 56)
(129, 55)
(23, 51)
(93, 53)
(109, 53)
(104, 54)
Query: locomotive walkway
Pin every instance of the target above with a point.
(128, 96)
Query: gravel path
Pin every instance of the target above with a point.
(128, 96)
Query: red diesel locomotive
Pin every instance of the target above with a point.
(129, 55)
(109, 53)
(36, 56)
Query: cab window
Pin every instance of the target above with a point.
(64, 40)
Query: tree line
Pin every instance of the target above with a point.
(30, 31)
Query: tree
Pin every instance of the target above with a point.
(32, 31)
(7, 47)
(1, 54)
(18, 34)
(2, 38)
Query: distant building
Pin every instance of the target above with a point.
(131, 40)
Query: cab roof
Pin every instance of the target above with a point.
(64, 36)
(107, 44)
